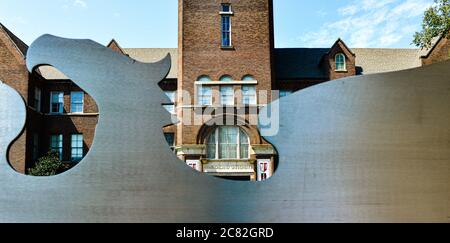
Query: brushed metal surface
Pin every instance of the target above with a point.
(365, 149)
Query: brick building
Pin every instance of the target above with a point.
(227, 63)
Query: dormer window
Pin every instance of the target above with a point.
(341, 64)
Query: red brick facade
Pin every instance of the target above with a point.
(14, 73)
(440, 52)
(200, 53)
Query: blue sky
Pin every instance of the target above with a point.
(153, 23)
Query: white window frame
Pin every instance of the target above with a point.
(344, 62)
(254, 99)
(170, 107)
(72, 147)
(224, 88)
(238, 139)
(72, 102)
(230, 12)
(228, 32)
(61, 108)
(201, 95)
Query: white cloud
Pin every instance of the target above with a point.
(370, 23)
(80, 3)
(348, 10)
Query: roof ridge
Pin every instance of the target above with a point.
(18, 43)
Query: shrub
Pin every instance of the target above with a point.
(49, 165)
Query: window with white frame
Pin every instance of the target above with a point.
(228, 142)
(77, 102)
(37, 99)
(204, 95)
(340, 62)
(76, 148)
(226, 14)
(170, 106)
(57, 102)
(249, 95)
(226, 8)
(227, 95)
(56, 144)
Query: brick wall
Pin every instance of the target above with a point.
(441, 52)
(13, 72)
(200, 51)
(330, 62)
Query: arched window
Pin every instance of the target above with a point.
(340, 62)
(226, 78)
(204, 93)
(248, 78)
(228, 142)
(204, 78)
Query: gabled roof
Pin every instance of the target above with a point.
(147, 55)
(380, 60)
(113, 44)
(296, 63)
(343, 43)
(20, 45)
(426, 52)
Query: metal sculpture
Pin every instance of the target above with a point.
(365, 149)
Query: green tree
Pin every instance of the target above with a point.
(436, 23)
(49, 165)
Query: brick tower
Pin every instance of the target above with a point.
(224, 60)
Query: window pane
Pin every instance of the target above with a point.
(170, 138)
(226, 78)
(56, 144)
(57, 105)
(77, 100)
(226, 8)
(170, 108)
(211, 146)
(77, 147)
(244, 145)
(171, 95)
(204, 78)
(249, 95)
(226, 31)
(228, 142)
(227, 95)
(248, 78)
(204, 95)
(340, 62)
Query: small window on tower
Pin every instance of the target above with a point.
(226, 8)
(226, 14)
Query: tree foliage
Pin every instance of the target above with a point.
(49, 165)
(436, 23)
